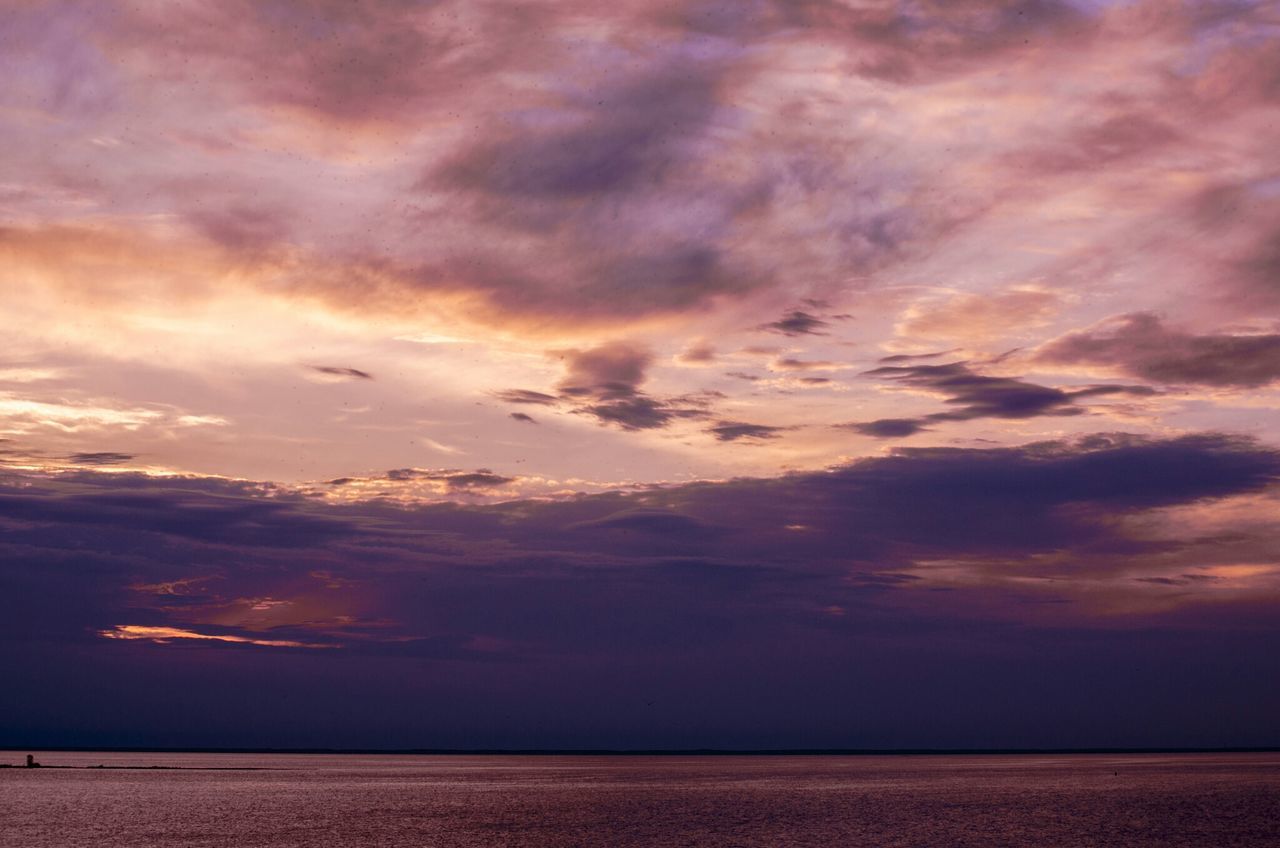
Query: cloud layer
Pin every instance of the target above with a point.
(851, 568)
(539, 372)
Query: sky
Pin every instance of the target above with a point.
(654, 373)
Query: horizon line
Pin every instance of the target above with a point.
(672, 752)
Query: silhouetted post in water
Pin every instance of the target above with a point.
(31, 761)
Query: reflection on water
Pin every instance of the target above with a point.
(323, 800)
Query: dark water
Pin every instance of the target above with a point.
(1203, 800)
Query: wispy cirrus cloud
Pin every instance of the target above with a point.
(342, 372)
(977, 396)
(165, 635)
(100, 458)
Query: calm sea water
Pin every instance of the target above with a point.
(1206, 801)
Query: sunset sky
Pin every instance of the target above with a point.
(747, 373)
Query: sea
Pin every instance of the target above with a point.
(315, 801)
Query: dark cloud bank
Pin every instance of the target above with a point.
(929, 597)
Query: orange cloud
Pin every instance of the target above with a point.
(163, 635)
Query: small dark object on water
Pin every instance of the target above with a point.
(31, 761)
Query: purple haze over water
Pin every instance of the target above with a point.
(333, 800)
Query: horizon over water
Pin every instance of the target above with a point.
(280, 799)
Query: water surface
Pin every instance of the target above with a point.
(326, 800)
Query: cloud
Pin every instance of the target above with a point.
(526, 396)
(911, 357)
(634, 413)
(697, 353)
(977, 317)
(790, 363)
(205, 510)
(453, 479)
(980, 396)
(925, 552)
(544, 191)
(336, 371)
(605, 382)
(1112, 140)
(240, 226)
(590, 177)
(1180, 580)
(732, 431)
(1260, 268)
(1141, 345)
(323, 59)
(611, 371)
(240, 184)
(616, 138)
(164, 635)
(888, 428)
(914, 505)
(100, 458)
(938, 39)
(662, 522)
(1230, 234)
(797, 323)
(975, 396)
(408, 486)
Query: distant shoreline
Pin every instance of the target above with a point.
(654, 752)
